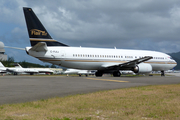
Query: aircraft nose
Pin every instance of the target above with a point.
(175, 63)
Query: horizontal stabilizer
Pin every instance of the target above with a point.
(40, 46)
(14, 48)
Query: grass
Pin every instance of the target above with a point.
(139, 103)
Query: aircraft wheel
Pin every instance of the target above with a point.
(116, 74)
(162, 73)
(98, 74)
(15, 73)
(31, 73)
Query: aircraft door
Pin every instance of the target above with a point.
(62, 56)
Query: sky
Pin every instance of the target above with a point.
(124, 24)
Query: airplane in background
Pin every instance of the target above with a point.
(44, 70)
(92, 72)
(79, 72)
(40, 70)
(18, 69)
(127, 72)
(45, 48)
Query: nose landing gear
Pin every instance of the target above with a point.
(162, 73)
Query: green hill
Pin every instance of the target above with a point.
(176, 57)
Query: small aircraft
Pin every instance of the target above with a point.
(79, 72)
(127, 72)
(45, 48)
(44, 70)
(18, 69)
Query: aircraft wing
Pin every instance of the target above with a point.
(40, 46)
(132, 63)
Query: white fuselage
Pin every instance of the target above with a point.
(77, 71)
(44, 70)
(22, 70)
(96, 58)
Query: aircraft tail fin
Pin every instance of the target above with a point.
(1, 65)
(17, 65)
(36, 30)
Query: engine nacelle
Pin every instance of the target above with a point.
(143, 68)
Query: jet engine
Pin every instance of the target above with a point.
(142, 68)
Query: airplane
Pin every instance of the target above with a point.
(45, 48)
(127, 72)
(79, 72)
(89, 72)
(18, 69)
(40, 70)
(44, 70)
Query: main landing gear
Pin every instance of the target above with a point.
(81, 75)
(116, 74)
(99, 74)
(162, 73)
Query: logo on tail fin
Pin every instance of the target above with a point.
(38, 32)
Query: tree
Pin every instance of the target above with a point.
(9, 62)
(53, 66)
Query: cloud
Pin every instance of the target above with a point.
(150, 24)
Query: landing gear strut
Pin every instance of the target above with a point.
(162, 73)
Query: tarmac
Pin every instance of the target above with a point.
(18, 89)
